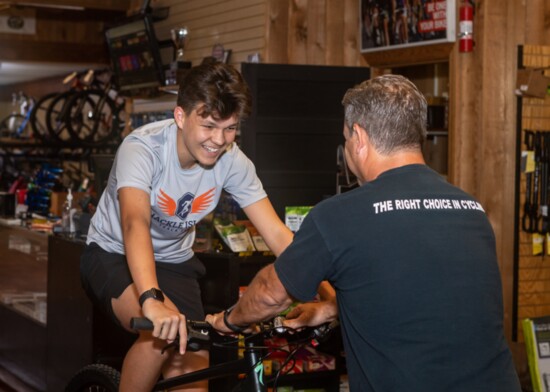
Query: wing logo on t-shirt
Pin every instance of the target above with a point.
(186, 204)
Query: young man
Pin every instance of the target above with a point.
(166, 177)
(411, 257)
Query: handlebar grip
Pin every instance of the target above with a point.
(198, 337)
(141, 323)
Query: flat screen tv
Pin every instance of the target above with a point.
(135, 57)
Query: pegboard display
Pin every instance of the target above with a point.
(533, 210)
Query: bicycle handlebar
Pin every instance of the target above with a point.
(198, 337)
(198, 332)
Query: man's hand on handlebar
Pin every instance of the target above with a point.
(311, 314)
(217, 323)
(168, 322)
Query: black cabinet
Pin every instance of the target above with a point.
(296, 127)
(77, 333)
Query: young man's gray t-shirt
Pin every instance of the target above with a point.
(148, 160)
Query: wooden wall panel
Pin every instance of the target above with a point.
(68, 36)
(482, 145)
(336, 28)
(352, 55)
(297, 32)
(238, 25)
(276, 34)
(318, 32)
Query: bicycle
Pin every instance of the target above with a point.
(96, 116)
(15, 124)
(85, 115)
(100, 377)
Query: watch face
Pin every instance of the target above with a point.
(157, 294)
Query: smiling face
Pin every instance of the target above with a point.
(203, 140)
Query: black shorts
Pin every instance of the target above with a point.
(106, 275)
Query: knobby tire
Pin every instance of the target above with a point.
(95, 378)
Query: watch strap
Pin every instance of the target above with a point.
(154, 293)
(232, 327)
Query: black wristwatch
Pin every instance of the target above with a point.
(232, 327)
(154, 293)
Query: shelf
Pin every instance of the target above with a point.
(170, 89)
(424, 54)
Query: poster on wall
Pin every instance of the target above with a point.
(393, 24)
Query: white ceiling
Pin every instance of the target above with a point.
(15, 72)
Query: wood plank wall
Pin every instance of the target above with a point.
(238, 25)
(320, 32)
(483, 111)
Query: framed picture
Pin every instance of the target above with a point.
(393, 24)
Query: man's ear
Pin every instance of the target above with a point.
(359, 134)
(179, 116)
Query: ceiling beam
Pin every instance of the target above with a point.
(53, 52)
(107, 5)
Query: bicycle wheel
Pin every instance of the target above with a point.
(93, 117)
(38, 117)
(56, 116)
(10, 125)
(96, 378)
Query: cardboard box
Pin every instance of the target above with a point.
(531, 82)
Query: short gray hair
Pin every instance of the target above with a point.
(392, 111)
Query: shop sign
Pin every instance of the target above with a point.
(18, 21)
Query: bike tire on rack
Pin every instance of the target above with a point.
(38, 118)
(10, 130)
(94, 118)
(56, 117)
(95, 377)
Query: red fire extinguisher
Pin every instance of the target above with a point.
(466, 27)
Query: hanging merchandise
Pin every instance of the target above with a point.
(536, 208)
(466, 27)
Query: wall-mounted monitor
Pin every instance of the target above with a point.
(135, 57)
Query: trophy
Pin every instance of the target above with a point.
(178, 67)
(179, 38)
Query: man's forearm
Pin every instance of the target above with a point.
(265, 297)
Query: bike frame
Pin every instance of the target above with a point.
(253, 381)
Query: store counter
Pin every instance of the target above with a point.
(50, 329)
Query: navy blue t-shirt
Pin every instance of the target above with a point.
(413, 262)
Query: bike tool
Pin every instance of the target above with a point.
(527, 224)
(545, 160)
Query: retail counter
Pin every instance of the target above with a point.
(50, 329)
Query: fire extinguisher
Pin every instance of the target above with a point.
(466, 27)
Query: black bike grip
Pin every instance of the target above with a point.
(141, 323)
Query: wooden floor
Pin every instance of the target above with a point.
(10, 383)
